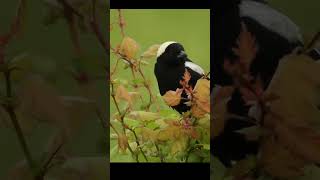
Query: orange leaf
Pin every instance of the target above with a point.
(186, 76)
(122, 142)
(123, 94)
(247, 48)
(201, 98)
(172, 98)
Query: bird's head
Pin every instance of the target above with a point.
(171, 53)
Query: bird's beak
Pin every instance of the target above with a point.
(182, 55)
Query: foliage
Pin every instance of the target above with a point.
(145, 133)
(284, 115)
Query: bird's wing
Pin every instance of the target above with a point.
(194, 67)
(271, 19)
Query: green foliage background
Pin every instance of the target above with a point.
(148, 27)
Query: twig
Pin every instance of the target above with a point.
(138, 144)
(96, 28)
(121, 23)
(122, 119)
(103, 121)
(46, 167)
(159, 153)
(10, 110)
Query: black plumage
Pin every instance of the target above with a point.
(172, 61)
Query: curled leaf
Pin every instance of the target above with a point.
(151, 52)
(143, 115)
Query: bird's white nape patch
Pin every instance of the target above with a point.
(163, 47)
(194, 67)
(271, 19)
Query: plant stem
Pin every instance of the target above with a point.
(10, 110)
(138, 144)
(121, 23)
(159, 153)
(122, 119)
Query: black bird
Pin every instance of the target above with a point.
(172, 61)
(276, 36)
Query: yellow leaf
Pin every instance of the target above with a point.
(172, 98)
(149, 135)
(201, 98)
(151, 52)
(129, 48)
(172, 132)
(179, 145)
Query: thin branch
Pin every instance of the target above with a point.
(10, 110)
(16, 25)
(122, 119)
(159, 153)
(69, 7)
(96, 28)
(46, 167)
(121, 22)
(138, 144)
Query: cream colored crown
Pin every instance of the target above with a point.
(163, 47)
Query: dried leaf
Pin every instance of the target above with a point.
(172, 98)
(151, 52)
(122, 142)
(129, 48)
(123, 94)
(201, 98)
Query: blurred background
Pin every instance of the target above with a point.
(61, 84)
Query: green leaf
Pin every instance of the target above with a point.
(153, 125)
(132, 123)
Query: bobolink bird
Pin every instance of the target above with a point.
(172, 61)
